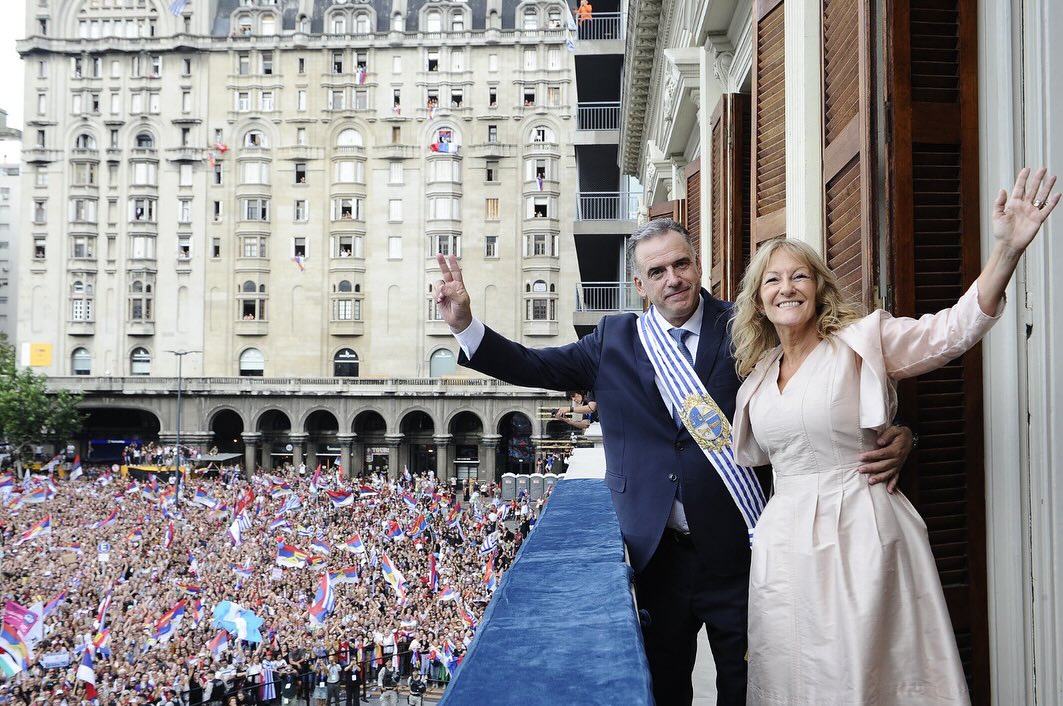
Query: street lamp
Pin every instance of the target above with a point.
(180, 380)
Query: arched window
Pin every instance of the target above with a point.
(252, 363)
(85, 141)
(140, 362)
(345, 363)
(457, 22)
(339, 24)
(145, 141)
(443, 362)
(269, 25)
(349, 137)
(361, 23)
(255, 138)
(531, 19)
(542, 133)
(396, 23)
(433, 21)
(343, 286)
(81, 362)
(249, 286)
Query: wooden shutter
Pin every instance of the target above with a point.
(667, 209)
(729, 153)
(847, 155)
(769, 123)
(692, 174)
(933, 212)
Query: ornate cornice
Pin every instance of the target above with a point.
(640, 49)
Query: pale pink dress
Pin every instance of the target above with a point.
(845, 604)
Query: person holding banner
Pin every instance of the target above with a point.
(665, 383)
(845, 602)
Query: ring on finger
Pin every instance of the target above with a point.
(1039, 203)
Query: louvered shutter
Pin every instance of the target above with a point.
(692, 216)
(936, 255)
(847, 174)
(667, 209)
(729, 153)
(769, 123)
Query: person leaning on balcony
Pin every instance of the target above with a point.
(584, 11)
(580, 412)
(687, 539)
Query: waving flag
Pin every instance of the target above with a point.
(197, 613)
(193, 565)
(105, 522)
(177, 7)
(44, 526)
(105, 603)
(101, 643)
(324, 600)
(167, 537)
(348, 575)
(166, 626)
(220, 512)
(448, 594)
(409, 500)
(287, 555)
(202, 498)
(244, 572)
(12, 644)
(433, 573)
(394, 531)
(36, 496)
(279, 524)
(320, 546)
(219, 644)
(448, 147)
(190, 589)
(354, 544)
(466, 616)
(339, 475)
(74, 547)
(490, 543)
(7, 482)
(316, 563)
(87, 673)
(234, 533)
(135, 535)
(75, 468)
(490, 578)
(293, 502)
(279, 490)
(340, 499)
(315, 482)
(238, 621)
(54, 602)
(393, 576)
(454, 517)
(367, 491)
(304, 531)
(417, 527)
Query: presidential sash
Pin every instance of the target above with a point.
(702, 417)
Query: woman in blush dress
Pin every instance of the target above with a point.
(845, 604)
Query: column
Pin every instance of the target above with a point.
(251, 439)
(393, 441)
(298, 442)
(804, 123)
(488, 447)
(357, 458)
(442, 442)
(267, 454)
(345, 440)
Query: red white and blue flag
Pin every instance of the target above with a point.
(409, 500)
(367, 491)
(490, 577)
(348, 575)
(417, 527)
(320, 546)
(107, 521)
(101, 643)
(75, 469)
(315, 482)
(87, 673)
(242, 571)
(393, 576)
(53, 603)
(279, 524)
(202, 498)
(42, 527)
(167, 537)
(340, 498)
(354, 544)
(197, 612)
(324, 600)
(219, 644)
(105, 603)
(433, 573)
(394, 531)
(166, 626)
(287, 555)
(448, 594)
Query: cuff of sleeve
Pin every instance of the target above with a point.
(471, 337)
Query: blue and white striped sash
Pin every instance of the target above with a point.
(702, 417)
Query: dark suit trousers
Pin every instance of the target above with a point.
(681, 596)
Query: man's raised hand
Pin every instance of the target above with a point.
(451, 295)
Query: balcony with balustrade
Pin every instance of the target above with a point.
(597, 299)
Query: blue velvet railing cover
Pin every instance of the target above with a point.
(562, 626)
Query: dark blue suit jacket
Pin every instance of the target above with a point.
(646, 456)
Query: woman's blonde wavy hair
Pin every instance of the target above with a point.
(753, 334)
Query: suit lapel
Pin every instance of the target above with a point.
(713, 337)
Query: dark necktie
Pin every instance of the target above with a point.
(680, 336)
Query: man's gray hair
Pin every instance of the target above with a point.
(654, 229)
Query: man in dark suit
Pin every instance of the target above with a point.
(687, 540)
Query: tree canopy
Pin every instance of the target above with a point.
(29, 412)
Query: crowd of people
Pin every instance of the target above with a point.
(152, 453)
(120, 555)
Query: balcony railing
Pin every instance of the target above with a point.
(602, 25)
(607, 297)
(607, 206)
(599, 116)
